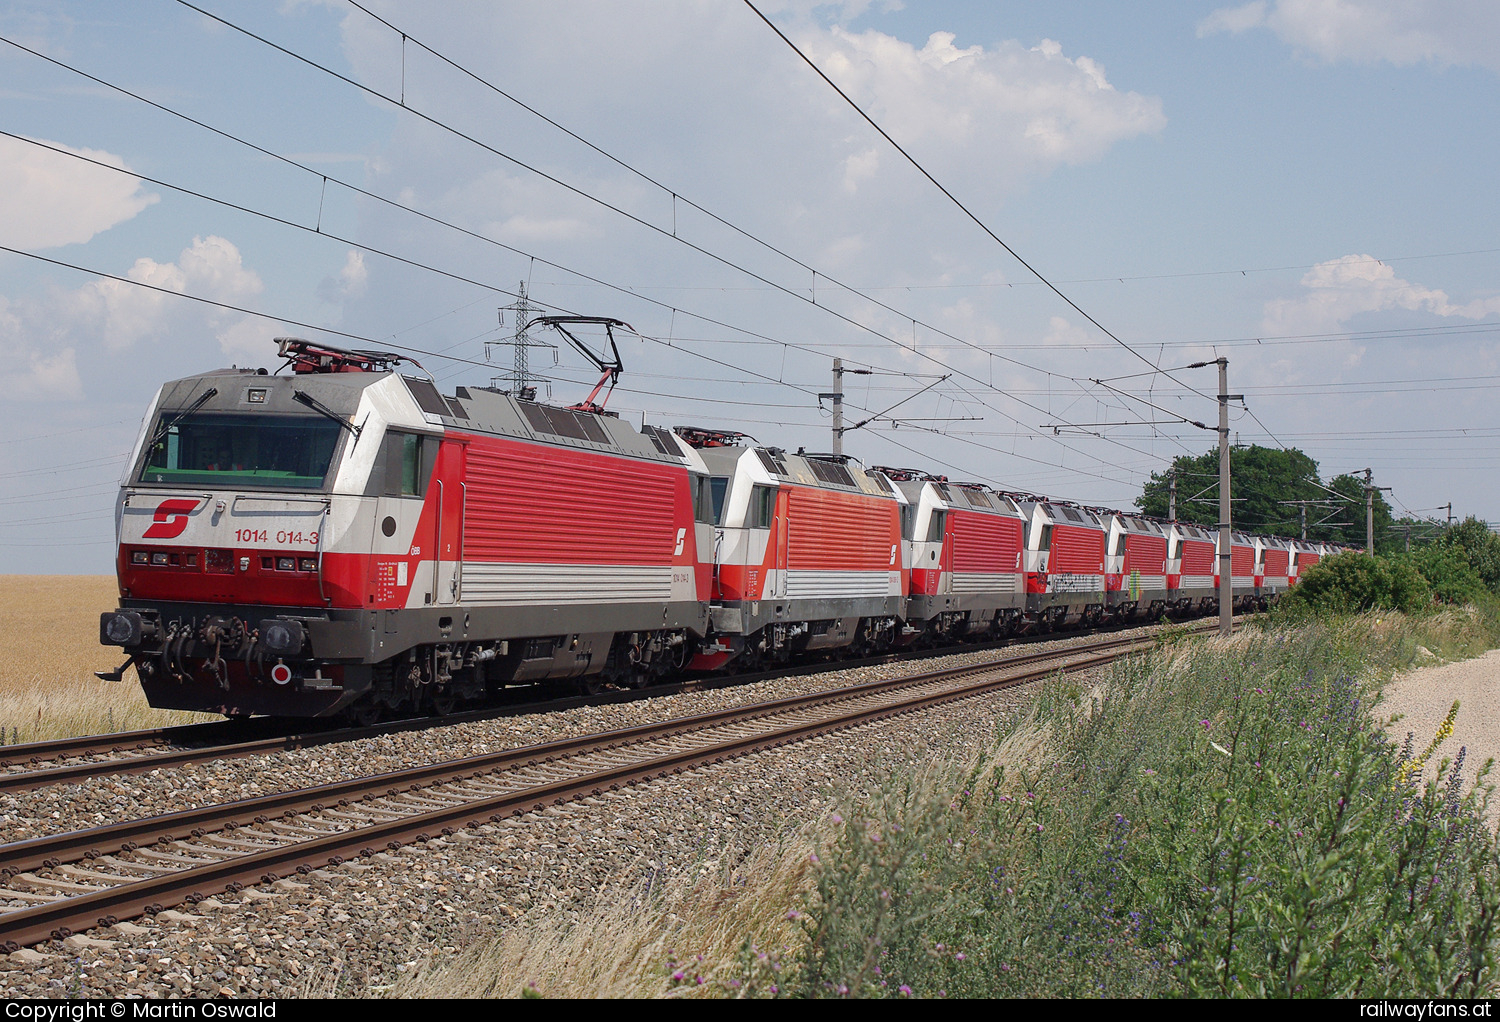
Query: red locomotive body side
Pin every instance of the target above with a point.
(1145, 554)
(1197, 557)
(1276, 562)
(836, 531)
(983, 543)
(1242, 560)
(531, 504)
(1076, 551)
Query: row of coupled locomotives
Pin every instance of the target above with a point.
(344, 539)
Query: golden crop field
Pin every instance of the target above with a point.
(49, 651)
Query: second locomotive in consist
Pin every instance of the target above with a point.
(345, 539)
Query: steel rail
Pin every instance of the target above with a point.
(20, 856)
(233, 738)
(107, 905)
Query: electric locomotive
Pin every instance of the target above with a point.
(345, 538)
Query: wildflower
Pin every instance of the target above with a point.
(836, 818)
(813, 858)
(904, 990)
(959, 956)
(794, 914)
(678, 976)
(1206, 725)
(1004, 966)
(1038, 828)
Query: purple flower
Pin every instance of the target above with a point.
(905, 990)
(678, 976)
(1206, 725)
(836, 818)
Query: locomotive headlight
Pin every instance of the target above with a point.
(120, 628)
(282, 637)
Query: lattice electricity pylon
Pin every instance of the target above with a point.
(520, 378)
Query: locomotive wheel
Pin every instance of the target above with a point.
(444, 703)
(365, 713)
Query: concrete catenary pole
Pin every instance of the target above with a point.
(1226, 556)
(837, 397)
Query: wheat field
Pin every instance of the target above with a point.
(49, 651)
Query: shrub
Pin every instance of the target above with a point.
(1473, 540)
(1352, 582)
(1449, 573)
(1225, 821)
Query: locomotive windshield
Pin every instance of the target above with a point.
(289, 452)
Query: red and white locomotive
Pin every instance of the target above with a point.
(344, 539)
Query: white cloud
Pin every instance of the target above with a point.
(1234, 19)
(1340, 289)
(860, 167)
(124, 314)
(33, 370)
(1031, 108)
(52, 199)
(1397, 31)
(350, 282)
(108, 334)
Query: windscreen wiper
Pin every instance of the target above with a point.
(189, 410)
(302, 397)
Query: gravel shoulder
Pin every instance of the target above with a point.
(1423, 697)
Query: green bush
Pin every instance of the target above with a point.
(1473, 540)
(1225, 822)
(1449, 573)
(1352, 582)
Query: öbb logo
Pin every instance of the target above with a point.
(171, 519)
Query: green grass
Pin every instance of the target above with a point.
(1217, 820)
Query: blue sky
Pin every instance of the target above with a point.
(1303, 186)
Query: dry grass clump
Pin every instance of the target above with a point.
(49, 632)
(679, 936)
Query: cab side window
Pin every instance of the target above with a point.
(409, 458)
(762, 507)
(935, 526)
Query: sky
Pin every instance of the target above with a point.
(1303, 187)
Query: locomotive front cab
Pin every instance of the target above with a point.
(241, 546)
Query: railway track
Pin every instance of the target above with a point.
(70, 760)
(56, 885)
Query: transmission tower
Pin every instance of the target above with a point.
(520, 378)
